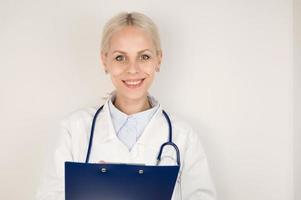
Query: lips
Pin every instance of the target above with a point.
(133, 83)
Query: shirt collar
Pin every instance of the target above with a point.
(119, 117)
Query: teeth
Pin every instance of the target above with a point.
(132, 82)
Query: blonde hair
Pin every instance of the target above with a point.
(124, 19)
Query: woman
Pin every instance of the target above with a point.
(131, 127)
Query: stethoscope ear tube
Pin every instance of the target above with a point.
(92, 134)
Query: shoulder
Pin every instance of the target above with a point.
(182, 127)
(179, 123)
(78, 116)
(186, 137)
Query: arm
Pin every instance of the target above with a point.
(196, 180)
(52, 185)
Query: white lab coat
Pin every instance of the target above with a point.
(194, 181)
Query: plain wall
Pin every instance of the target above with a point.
(227, 70)
(297, 97)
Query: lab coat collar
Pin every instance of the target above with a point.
(105, 129)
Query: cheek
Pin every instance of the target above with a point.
(117, 71)
(116, 74)
(116, 77)
(149, 74)
(149, 70)
(116, 81)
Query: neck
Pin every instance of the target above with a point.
(131, 106)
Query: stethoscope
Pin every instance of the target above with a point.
(170, 142)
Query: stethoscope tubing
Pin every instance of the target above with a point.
(161, 148)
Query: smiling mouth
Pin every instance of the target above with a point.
(135, 83)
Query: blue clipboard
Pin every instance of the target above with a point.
(99, 181)
(104, 181)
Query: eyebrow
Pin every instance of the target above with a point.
(126, 53)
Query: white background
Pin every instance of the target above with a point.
(230, 68)
(297, 97)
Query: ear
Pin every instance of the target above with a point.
(104, 58)
(159, 56)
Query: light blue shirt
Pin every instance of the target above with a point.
(130, 127)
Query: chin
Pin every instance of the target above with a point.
(134, 94)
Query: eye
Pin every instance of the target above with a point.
(145, 57)
(119, 58)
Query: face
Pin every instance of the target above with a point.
(131, 62)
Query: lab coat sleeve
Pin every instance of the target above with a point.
(52, 181)
(196, 182)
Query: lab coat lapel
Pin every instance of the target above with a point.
(150, 132)
(153, 136)
(106, 145)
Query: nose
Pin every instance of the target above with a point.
(133, 68)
